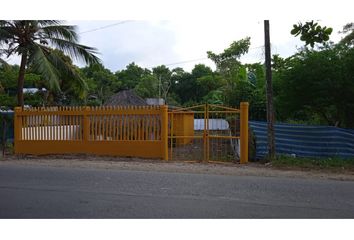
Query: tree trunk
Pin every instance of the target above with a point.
(21, 80)
(270, 107)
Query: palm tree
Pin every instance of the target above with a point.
(34, 41)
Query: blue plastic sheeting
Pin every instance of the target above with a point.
(305, 141)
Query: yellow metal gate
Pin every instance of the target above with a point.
(209, 133)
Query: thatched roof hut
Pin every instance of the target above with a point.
(125, 98)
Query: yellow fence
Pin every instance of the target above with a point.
(209, 133)
(121, 131)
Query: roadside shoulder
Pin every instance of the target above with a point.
(135, 164)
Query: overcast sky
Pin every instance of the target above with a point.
(191, 30)
(151, 43)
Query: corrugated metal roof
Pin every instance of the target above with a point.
(214, 124)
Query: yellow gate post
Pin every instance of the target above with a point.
(244, 132)
(164, 131)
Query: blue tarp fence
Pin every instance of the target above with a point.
(305, 141)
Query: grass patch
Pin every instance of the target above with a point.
(314, 163)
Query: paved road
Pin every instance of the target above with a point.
(60, 192)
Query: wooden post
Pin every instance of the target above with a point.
(270, 107)
(244, 132)
(164, 131)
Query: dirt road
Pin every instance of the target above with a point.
(99, 162)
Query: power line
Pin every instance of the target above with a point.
(176, 63)
(192, 60)
(169, 64)
(106, 26)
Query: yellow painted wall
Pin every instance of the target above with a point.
(183, 125)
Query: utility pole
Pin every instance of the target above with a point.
(270, 108)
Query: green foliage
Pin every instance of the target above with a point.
(228, 63)
(208, 84)
(35, 99)
(195, 87)
(131, 76)
(314, 163)
(214, 97)
(311, 33)
(184, 85)
(7, 101)
(164, 76)
(200, 70)
(101, 83)
(148, 87)
(241, 93)
(32, 80)
(240, 82)
(317, 85)
(234, 52)
(348, 29)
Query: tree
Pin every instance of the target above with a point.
(192, 87)
(163, 75)
(148, 87)
(8, 77)
(317, 86)
(228, 63)
(239, 80)
(349, 38)
(33, 41)
(102, 82)
(311, 33)
(131, 76)
(209, 83)
(184, 86)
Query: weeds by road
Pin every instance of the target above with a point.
(327, 164)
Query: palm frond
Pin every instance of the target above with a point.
(67, 70)
(7, 33)
(42, 65)
(44, 23)
(66, 32)
(6, 23)
(19, 23)
(77, 51)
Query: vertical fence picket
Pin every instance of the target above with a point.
(139, 126)
(36, 127)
